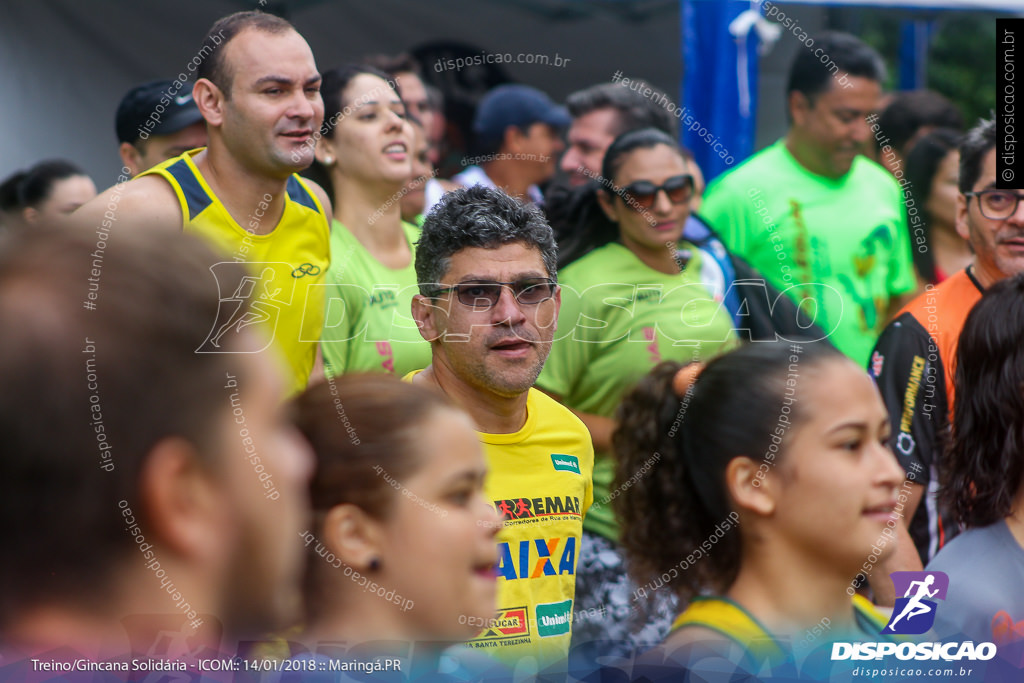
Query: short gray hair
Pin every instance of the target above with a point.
(479, 217)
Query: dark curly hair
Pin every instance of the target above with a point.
(479, 217)
(983, 468)
(682, 446)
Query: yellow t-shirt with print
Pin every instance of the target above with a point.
(540, 481)
(288, 265)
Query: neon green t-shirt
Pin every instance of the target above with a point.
(368, 326)
(843, 243)
(540, 482)
(619, 319)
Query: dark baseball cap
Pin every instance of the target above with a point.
(516, 105)
(157, 108)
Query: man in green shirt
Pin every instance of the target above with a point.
(820, 220)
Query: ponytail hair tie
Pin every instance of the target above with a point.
(685, 378)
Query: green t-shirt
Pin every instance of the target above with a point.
(368, 325)
(619, 319)
(843, 243)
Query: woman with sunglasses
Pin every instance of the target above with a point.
(367, 150)
(633, 295)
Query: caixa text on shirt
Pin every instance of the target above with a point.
(537, 557)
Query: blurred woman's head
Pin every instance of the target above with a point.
(366, 137)
(933, 170)
(787, 440)
(52, 190)
(403, 541)
(414, 196)
(642, 199)
(984, 466)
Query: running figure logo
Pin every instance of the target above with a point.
(256, 299)
(914, 613)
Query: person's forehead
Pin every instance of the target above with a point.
(863, 94)
(254, 54)
(596, 123)
(506, 261)
(411, 86)
(365, 88)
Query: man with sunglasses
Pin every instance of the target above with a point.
(912, 361)
(816, 217)
(488, 305)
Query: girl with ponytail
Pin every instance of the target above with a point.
(755, 489)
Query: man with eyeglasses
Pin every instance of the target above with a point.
(912, 361)
(488, 305)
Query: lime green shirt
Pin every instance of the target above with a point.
(619, 319)
(839, 246)
(368, 325)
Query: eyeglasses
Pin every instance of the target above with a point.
(997, 204)
(643, 193)
(483, 295)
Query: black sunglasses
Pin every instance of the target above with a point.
(643, 193)
(483, 295)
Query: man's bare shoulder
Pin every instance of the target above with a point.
(321, 195)
(148, 201)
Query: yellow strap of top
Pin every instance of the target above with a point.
(732, 621)
(867, 612)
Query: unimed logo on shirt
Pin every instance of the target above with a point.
(566, 463)
(554, 618)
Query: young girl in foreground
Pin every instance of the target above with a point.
(755, 489)
(401, 549)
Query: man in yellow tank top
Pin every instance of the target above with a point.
(258, 89)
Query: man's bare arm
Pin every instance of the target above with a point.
(147, 202)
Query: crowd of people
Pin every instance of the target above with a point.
(286, 398)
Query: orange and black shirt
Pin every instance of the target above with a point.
(912, 365)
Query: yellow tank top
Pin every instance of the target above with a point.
(734, 622)
(288, 265)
